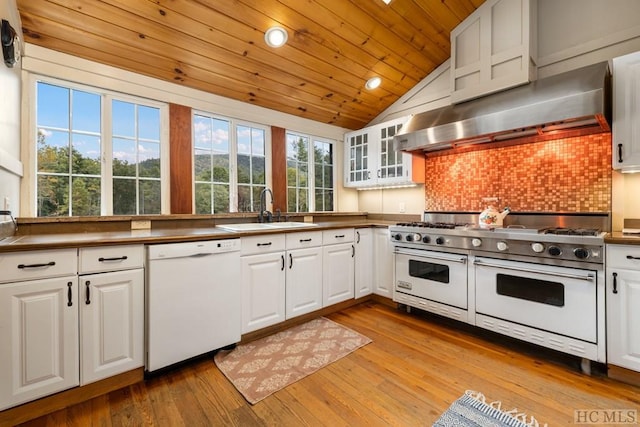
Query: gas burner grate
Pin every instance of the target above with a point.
(572, 231)
(446, 225)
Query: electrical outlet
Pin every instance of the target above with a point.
(403, 207)
(140, 225)
(7, 204)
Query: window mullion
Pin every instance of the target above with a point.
(70, 159)
(311, 178)
(165, 173)
(107, 156)
(233, 166)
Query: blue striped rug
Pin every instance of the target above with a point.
(472, 410)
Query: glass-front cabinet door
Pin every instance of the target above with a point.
(358, 150)
(371, 161)
(391, 162)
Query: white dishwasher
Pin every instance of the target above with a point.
(193, 300)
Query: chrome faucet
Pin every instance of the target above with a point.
(265, 215)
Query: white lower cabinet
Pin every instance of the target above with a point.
(112, 323)
(303, 281)
(111, 311)
(623, 301)
(383, 261)
(263, 290)
(39, 326)
(287, 275)
(262, 260)
(56, 333)
(338, 255)
(363, 262)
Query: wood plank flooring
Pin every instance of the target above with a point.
(416, 366)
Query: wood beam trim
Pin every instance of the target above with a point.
(180, 162)
(279, 168)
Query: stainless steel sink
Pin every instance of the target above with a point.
(265, 226)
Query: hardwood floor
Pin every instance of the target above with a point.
(416, 366)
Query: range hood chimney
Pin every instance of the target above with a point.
(578, 100)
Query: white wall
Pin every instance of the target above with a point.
(391, 201)
(40, 61)
(571, 34)
(10, 165)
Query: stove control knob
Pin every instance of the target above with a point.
(440, 241)
(554, 250)
(537, 247)
(426, 239)
(502, 246)
(581, 253)
(413, 237)
(476, 242)
(397, 236)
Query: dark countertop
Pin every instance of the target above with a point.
(618, 238)
(154, 236)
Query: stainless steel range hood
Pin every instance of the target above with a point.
(578, 100)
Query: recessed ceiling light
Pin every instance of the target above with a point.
(386, 1)
(373, 83)
(276, 36)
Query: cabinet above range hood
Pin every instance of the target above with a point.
(578, 100)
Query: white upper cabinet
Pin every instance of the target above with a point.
(371, 160)
(493, 49)
(626, 113)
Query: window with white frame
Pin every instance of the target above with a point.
(310, 173)
(230, 164)
(98, 153)
(136, 158)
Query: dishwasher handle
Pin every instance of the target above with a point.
(200, 255)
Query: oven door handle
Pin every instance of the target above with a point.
(587, 277)
(440, 256)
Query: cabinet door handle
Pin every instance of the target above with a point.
(46, 264)
(118, 258)
(358, 237)
(619, 153)
(290, 261)
(69, 294)
(339, 236)
(378, 173)
(282, 258)
(615, 283)
(633, 257)
(87, 290)
(305, 240)
(264, 244)
(368, 174)
(353, 251)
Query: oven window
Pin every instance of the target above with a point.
(542, 291)
(429, 271)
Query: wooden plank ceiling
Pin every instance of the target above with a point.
(218, 46)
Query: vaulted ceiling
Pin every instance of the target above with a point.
(218, 46)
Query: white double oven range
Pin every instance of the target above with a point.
(539, 278)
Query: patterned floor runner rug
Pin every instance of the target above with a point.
(472, 410)
(262, 367)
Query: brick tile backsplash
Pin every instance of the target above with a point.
(564, 175)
